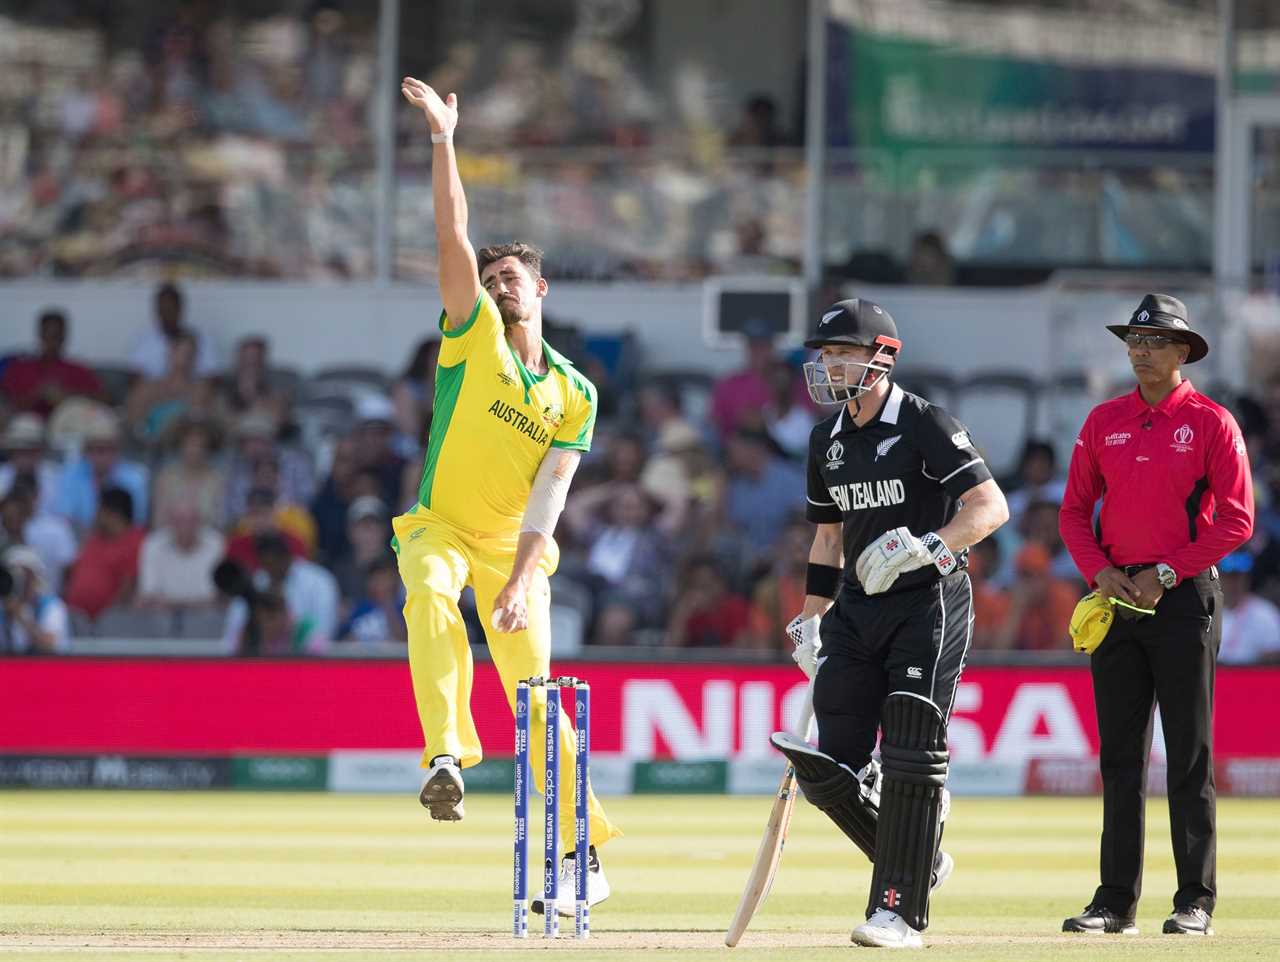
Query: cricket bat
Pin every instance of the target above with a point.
(775, 837)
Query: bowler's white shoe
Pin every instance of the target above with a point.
(887, 930)
(442, 791)
(597, 886)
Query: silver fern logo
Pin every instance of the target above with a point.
(883, 447)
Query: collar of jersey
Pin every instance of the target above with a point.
(1177, 397)
(894, 395)
(554, 360)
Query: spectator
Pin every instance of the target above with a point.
(106, 571)
(1250, 623)
(270, 628)
(15, 511)
(990, 603)
(1039, 525)
(32, 618)
(762, 492)
(150, 355)
(930, 263)
(758, 126)
(779, 595)
(378, 612)
(750, 254)
(192, 477)
(38, 383)
(368, 532)
(735, 396)
(626, 560)
(48, 535)
(1036, 479)
(707, 613)
(286, 515)
(670, 476)
(256, 437)
(247, 388)
(177, 561)
(23, 444)
(621, 463)
(660, 407)
(786, 419)
(375, 447)
(155, 405)
(260, 519)
(414, 394)
(345, 483)
(1040, 605)
(309, 591)
(100, 467)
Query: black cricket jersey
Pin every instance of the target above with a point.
(906, 467)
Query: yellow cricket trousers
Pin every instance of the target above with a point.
(437, 560)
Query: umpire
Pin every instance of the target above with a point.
(899, 493)
(1173, 475)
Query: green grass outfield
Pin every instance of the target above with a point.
(244, 876)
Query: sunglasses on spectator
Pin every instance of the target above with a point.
(1149, 340)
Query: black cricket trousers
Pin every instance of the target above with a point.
(1166, 658)
(914, 640)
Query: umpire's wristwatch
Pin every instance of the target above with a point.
(1166, 576)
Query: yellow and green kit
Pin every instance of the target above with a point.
(493, 422)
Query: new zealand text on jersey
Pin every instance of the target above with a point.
(868, 494)
(525, 425)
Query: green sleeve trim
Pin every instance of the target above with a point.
(572, 445)
(448, 387)
(589, 391)
(459, 331)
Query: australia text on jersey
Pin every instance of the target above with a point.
(525, 425)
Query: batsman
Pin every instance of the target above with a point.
(512, 418)
(899, 492)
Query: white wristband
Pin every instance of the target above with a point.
(445, 137)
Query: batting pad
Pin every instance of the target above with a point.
(832, 788)
(913, 753)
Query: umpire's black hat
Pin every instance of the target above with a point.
(1164, 312)
(855, 321)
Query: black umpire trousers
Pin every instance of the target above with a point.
(913, 640)
(1166, 658)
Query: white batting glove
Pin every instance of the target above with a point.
(896, 552)
(803, 633)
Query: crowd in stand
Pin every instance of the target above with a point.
(195, 501)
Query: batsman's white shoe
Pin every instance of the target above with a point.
(597, 886)
(887, 930)
(442, 791)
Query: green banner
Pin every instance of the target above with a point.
(901, 93)
(683, 778)
(491, 775)
(296, 773)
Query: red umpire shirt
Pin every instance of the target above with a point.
(1174, 481)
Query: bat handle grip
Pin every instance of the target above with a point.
(807, 724)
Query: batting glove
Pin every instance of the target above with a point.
(803, 633)
(896, 552)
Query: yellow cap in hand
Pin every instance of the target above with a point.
(1090, 622)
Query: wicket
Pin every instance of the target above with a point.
(551, 808)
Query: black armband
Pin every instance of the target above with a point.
(822, 580)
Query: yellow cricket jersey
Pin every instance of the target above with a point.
(493, 422)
